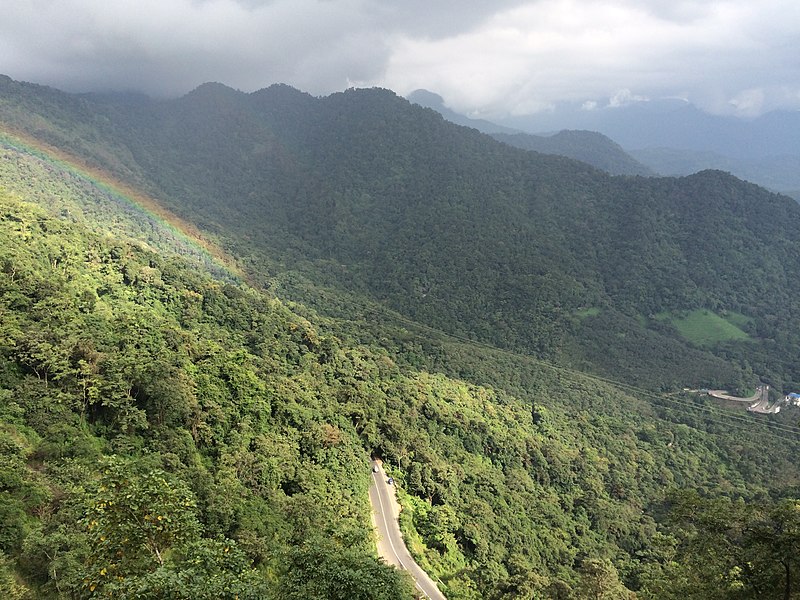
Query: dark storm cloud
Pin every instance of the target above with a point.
(168, 47)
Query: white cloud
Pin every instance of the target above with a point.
(508, 56)
(624, 98)
(749, 102)
(536, 55)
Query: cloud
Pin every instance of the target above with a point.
(169, 47)
(530, 57)
(507, 56)
(749, 102)
(624, 98)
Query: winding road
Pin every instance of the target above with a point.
(762, 406)
(758, 402)
(391, 546)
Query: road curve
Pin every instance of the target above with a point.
(391, 546)
(762, 406)
(723, 395)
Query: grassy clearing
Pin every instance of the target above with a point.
(705, 328)
(592, 311)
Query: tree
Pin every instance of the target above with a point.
(146, 542)
(319, 570)
(600, 581)
(774, 540)
(134, 519)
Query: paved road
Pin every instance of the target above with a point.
(391, 546)
(763, 402)
(758, 403)
(723, 395)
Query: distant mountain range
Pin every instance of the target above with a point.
(675, 124)
(587, 146)
(666, 137)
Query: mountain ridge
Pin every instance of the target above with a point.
(590, 147)
(662, 134)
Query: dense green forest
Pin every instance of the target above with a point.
(168, 431)
(367, 198)
(129, 377)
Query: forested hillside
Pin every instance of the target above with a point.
(777, 173)
(369, 196)
(587, 146)
(453, 287)
(236, 436)
(130, 381)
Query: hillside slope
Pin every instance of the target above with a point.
(132, 379)
(587, 146)
(367, 195)
(777, 173)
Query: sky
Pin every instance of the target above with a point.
(485, 58)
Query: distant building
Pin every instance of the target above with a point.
(793, 399)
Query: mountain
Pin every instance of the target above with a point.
(136, 386)
(675, 124)
(673, 137)
(364, 193)
(589, 147)
(382, 283)
(777, 173)
(658, 137)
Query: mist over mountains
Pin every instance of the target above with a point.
(675, 124)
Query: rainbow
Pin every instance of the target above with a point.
(147, 206)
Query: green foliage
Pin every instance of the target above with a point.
(249, 422)
(599, 580)
(10, 587)
(728, 549)
(216, 400)
(134, 519)
(320, 571)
